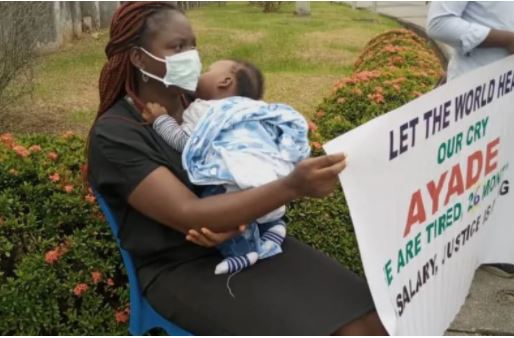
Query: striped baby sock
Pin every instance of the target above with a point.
(235, 264)
(276, 234)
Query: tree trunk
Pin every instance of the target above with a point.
(303, 8)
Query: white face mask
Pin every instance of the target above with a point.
(182, 69)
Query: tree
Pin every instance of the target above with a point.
(267, 6)
(303, 8)
(20, 28)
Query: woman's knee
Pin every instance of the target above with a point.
(366, 325)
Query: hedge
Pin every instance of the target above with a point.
(60, 270)
(394, 68)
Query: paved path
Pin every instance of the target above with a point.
(410, 13)
(414, 12)
(489, 307)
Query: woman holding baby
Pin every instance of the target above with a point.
(172, 229)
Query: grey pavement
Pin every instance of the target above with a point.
(489, 307)
(412, 14)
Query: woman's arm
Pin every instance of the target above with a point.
(164, 198)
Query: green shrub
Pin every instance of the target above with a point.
(394, 68)
(60, 270)
(399, 48)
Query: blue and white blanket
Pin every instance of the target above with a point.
(246, 143)
(242, 143)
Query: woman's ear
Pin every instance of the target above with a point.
(136, 58)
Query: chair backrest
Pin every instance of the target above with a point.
(142, 316)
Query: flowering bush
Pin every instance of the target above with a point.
(402, 49)
(394, 68)
(60, 270)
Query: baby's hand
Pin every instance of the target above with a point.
(152, 111)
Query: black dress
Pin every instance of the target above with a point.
(299, 292)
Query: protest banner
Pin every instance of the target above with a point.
(429, 186)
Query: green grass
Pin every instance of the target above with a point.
(301, 58)
(281, 42)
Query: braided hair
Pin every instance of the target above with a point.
(129, 28)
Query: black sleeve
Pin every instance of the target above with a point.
(121, 156)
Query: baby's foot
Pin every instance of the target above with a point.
(276, 234)
(235, 264)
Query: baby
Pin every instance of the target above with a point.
(233, 90)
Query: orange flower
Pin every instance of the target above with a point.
(392, 49)
(83, 170)
(312, 126)
(68, 188)
(80, 289)
(377, 97)
(99, 216)
(339, 85)
(52, 256)
(122, 316)
(55, 177)
(396, 60)
(52, 156)
(316, 145)
(362, 76)
(341, 100)
(320, 114)
(110, 282)
(96, 276)
(356, 91)
(90, 198)
(36, 148)
(21, 151)
(7, 139)
(68, 134)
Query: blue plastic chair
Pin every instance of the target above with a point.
(143, 317)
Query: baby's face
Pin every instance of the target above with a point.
(216, 73)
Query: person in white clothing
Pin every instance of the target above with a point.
(479, 32)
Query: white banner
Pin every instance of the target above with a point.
(428, 190)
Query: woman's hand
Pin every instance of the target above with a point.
(207, 238)
(317, 176)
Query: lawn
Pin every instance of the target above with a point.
(301, 58)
